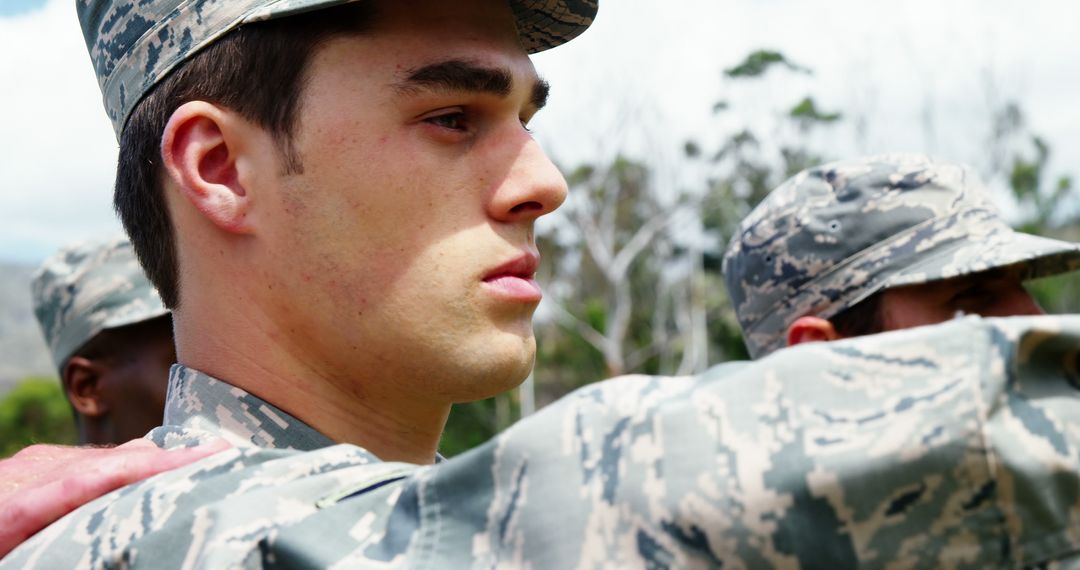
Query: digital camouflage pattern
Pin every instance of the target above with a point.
(89, 287)
(135, 43)
(951, 446)
(834, 235)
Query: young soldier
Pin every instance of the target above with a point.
(110, 337)
(378, 267)
(877, 244)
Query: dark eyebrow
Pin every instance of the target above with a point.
(540, 93)
(462, 75)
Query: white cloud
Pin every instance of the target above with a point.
(57, 152)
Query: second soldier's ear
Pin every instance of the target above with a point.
(202, 149)
(811, 329)
(81, 380)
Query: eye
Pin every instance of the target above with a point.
(525, 125)
(453, 120)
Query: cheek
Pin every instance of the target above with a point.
(393, 226)
(374, 234)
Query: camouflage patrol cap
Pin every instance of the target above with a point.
(136, 43)
(834, 235)
(89, 287)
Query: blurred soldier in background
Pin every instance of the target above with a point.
(110, 338)
(875, 244)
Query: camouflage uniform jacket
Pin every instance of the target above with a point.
(954, 446)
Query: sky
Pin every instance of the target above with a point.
(923, 75)
(19, 7)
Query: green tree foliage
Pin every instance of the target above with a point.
(807, 115)
(469, 425)
(1046, 203)
(758, 62)
(35, 411)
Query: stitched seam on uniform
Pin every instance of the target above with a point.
(425, 547)
(437, 533)
(369, 483)
(985, 351)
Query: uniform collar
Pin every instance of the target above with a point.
(201, 402)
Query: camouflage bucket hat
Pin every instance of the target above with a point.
(136, 43)
(87, 288)
(834, 235)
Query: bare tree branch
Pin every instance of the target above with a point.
(609, 211)
(594, 242)
(639, 242)
(591, 335)
(618, 323)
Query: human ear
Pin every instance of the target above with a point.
(811, 329)
(81, 379)
(201, 149)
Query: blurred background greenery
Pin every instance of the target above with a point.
(35, 411)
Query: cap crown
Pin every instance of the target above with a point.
(86, 288)
(135, 43)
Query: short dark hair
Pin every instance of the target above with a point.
(257, 70)
(861, 319)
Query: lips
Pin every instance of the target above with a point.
(515, 279)
(524, 267)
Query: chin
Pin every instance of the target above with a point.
(503, 365)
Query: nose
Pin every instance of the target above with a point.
(533, 186)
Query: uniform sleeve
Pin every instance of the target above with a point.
(946, 446)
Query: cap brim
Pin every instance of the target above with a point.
(1043, 257)
(541, 24)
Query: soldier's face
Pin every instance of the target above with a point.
(405, 246)
(992, 294)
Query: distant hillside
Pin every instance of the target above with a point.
(22, 351)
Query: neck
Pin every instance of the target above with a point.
(91, 433)
(361, 409)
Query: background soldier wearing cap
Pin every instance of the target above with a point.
(110, 338)
(339, 279)
(876, 244)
